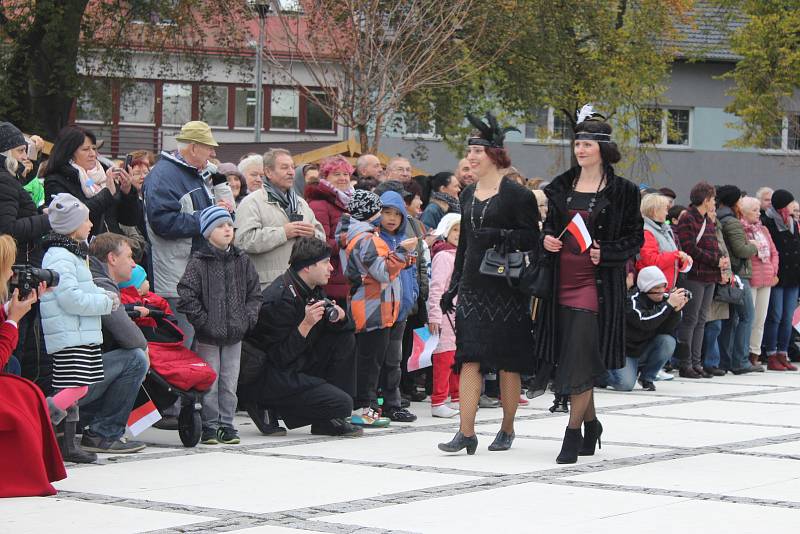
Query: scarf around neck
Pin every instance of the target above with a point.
(782, 226)
(54, 239)
(454, 206)
(756, 232)
(663, 234)
(92, 181)
(288, 200)
(343, 196)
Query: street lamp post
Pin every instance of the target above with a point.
(262, 7)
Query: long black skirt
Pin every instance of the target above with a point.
(579, 361)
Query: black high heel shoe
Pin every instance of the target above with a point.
(502, 441)
(570, 446)
(460, 441)
(592, 430)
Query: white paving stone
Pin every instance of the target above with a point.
(246, 483)
(36, 515)
(707, 387)
(523, 508)
(784, 397)
(420, 449)
(787, 448)
(273, 530)
(726, 474)
(733, 412)
(652, 430)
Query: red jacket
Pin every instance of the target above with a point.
(29, 456)
(328, 209)
(130, 295)
(650, 254)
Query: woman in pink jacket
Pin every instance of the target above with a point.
(445, 381)
(765, 275)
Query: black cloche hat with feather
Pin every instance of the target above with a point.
(491, 135)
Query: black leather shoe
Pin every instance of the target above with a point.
(742, 370)
(337, 427)
(168, 422)
(460, 441)
(570, 446)
(688, 372)
(647, 385)
(592, 430)
(702, 372)
(502, 441)
(715, 371)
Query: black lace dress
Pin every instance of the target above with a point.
(493, 320)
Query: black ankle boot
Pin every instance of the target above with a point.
(71, 451)
(592, 430)
(460, 441)
(570, 446)
(502, 441)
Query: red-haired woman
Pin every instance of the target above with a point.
(493, 320)
(328, 199)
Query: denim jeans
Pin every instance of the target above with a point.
(778, 327)
(652, 359)
(710, 346)
(734, 340)
(106, 407)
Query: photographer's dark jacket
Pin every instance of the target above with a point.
(220, 295)
(119, 330)
(616, 224)
(646, 319)
(289, 355)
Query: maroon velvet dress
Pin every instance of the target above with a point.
(578, 328)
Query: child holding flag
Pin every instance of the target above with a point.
(445, 380)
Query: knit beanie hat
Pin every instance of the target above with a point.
(10, 137)
(650, 277)
(66, 213)
(364, 205)
(229, 168)
(138, 276)
(781, 198)
(728, 195)
(212, 217)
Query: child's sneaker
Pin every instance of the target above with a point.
(443, 410)
(227, 436)
(400, 415)
(369, 417)
(209, 436)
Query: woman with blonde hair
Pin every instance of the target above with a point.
(660, 246)
(29, 456)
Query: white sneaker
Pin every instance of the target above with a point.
(454, 405)
(663, 375)
(443, 411)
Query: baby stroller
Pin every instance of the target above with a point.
(175, 371)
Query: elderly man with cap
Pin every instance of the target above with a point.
(271, 219)
(177, 189)
(651, 316)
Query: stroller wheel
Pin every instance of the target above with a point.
(190, 426)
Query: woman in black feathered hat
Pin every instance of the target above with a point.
(581, 330)
(493, 322)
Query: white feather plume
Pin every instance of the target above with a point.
(585, 112)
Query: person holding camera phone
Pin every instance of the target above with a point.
(29, 455)
(307, 344)
(651, 316)
(220, 295)
(270, 219)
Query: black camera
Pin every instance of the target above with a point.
(688, 294)
(27, 278)
(331, 313)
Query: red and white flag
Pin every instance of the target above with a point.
(143, 417)
(422, 352)
(796, 319)
(578, 229)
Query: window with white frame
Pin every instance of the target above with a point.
(214, 105)
(788, 136)
(94, 104)
(176, 103)
(137, 103)
(245, 107)
(316, 117)
(285, 109)
(548, 124)
(665, 126)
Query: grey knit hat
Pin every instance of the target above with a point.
(10, 137)
(66, 213)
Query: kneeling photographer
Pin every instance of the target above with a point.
(306, 372)
(651, 316)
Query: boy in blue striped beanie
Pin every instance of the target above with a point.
(220, 294)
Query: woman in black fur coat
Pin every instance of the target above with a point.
(581, 330)
(493, 321)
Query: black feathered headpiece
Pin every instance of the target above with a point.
(491, 134)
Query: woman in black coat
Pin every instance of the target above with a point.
(19, 217)
(493, 320)
(73, 168)
(581, 330)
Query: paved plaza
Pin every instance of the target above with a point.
(710, 456)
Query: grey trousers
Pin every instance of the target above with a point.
(692, 327)
(219, 402)
(183, 323)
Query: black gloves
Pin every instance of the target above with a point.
(446, 303)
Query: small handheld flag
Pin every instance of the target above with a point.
(796, 319)
(577, 227)
(422, 352)
(144, 415)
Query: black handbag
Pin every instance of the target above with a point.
(502, 264)
(537, 279)
(730, 293)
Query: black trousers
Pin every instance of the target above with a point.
(371, 351)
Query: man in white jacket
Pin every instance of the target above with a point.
(269, 220)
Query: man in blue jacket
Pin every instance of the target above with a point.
(177, 189)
